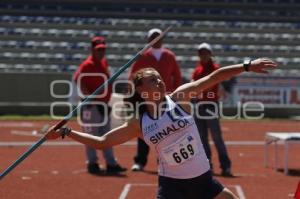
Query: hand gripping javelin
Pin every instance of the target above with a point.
(98, 90)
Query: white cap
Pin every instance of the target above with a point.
(205, 46)
(152, 31)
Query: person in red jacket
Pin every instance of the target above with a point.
(206, 116)
(95, 118)
(164, 61)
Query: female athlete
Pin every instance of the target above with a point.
(166, 124)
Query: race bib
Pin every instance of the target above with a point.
(182, 150)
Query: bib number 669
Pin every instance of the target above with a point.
(184, 153)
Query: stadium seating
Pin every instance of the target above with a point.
(217, 9)
(55, 36)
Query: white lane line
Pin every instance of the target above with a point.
(128, 186)
(33, 133)
(31, 172)
(125, 191)
(16, 124)
(79, 171)
(250, 175)
(244, 143)
(130, 143)
(239, 191)
(26, 178)
(28, 143)
(54, 172)
(144, 185)
(51, 143)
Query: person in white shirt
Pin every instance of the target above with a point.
(163, 60)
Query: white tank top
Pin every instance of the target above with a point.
(175, 138)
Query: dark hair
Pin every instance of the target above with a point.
(136, 100)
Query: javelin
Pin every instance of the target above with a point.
(100, 88)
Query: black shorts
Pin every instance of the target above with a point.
(202, 187)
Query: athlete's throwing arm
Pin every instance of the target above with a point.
(131, 129)
(171, 131)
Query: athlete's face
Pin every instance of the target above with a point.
(153, 87)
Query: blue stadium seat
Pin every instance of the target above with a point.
(296, 61)
(4, 67)
(37, 67)
(36, 32)
(282, 60)
(58, 57)
(20, 67)
(47, 45)
(78, 57)
(25, 55)
(282, 49)
(295, 49)
(42, 19)
(7, 55)
(232, 48)
(82, 45)
(265, 49)
(43, 56)
(70, 68)
(202, 36)
(31, 44)
(235, 36)
(53, 32)
(63, 45)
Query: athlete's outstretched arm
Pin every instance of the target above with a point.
(116, 136)
(192, 89)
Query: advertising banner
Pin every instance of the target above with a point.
(271, 91)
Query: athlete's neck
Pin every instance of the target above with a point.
(154, 108)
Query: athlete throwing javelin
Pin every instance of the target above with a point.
(166, 124)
